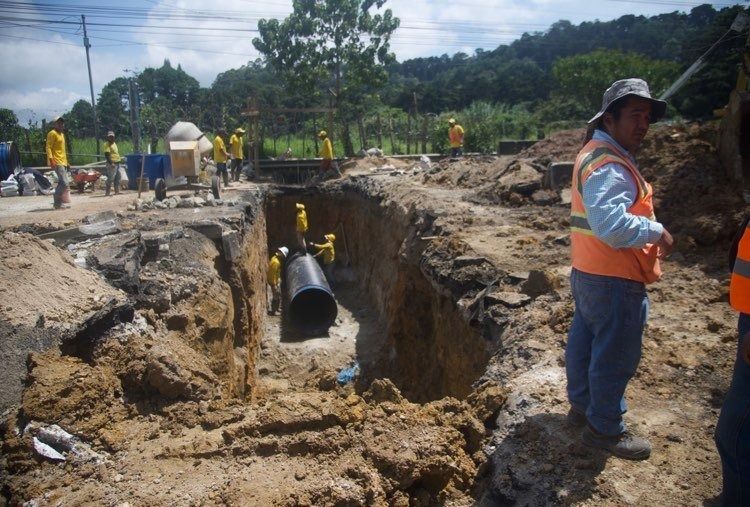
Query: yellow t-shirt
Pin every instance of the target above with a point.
(235, 142)
(326, 152)
(274, 271)
(114, 153)
(456, 135)
(329, 254)
(301, 220)
(219, 150)
(56, 148)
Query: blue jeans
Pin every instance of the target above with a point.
(221, 170)
(604, 346)
(456, 152)
(733, 429)
(63, 183)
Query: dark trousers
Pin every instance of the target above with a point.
(221, 170)
(236, 168)
(733, 429)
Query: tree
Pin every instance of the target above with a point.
(80, 120)
(585, 77)
(331, 42)
(112, 107)
(10, 130)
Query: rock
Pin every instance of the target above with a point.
(230, 241)
(544, 197)
(508, 299)
(468, 260)
(383, 390)
(562, 240)
(118, 258)
(177, 322)
(540, 282)
(176, 378)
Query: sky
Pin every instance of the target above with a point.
(44, 65)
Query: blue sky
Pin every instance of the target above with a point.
(44, 63)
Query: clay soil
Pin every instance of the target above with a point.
(192, 395)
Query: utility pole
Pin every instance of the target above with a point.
(87, 45)
(135, 127)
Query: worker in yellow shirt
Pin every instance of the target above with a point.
(326, 152)
(328, 254)
(274, 277)
(235, 145)
(221, 155)
(456, 138)
(57, 158)
(301, 226)
(112, 154)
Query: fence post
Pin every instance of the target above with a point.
(380, 134)
(408, 134)
(390, 132)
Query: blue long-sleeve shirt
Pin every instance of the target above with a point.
(607, 194)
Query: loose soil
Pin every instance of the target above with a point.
(453, 300)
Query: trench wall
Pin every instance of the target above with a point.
(429, 350)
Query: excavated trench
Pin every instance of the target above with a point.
(422, 343)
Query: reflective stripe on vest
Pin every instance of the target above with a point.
(739, 285)
(589, 253)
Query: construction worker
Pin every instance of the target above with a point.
(274, 277)
(326, 153)
(112, 154)
(57, 158)
(301, 226)
(733, 429)
(235, 145)
(328, 253)
(221, 155)
(456, 138)
(616, 242)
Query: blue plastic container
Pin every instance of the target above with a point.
(157, 166)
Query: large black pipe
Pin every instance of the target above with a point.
(312, 307)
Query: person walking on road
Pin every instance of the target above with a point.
(112, 154)
(274, 277)
(733, 429)
(616, 244)
(456, 138)
(57, 158)
(235, 145)
(221, 155)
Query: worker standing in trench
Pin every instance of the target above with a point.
(616, 244)
(274, 277)
(328, 253)
(301, 226)
(733, 429)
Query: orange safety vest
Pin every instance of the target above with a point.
(739, 285)
(589, 253)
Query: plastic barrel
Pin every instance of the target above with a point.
(156, 166)
(10, 159)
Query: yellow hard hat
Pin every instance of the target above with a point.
(322, 133)
(452, 121)
(330, 237)
(239, 130)
(300, 205)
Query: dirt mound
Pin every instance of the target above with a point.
(560, 146)
(40, 281)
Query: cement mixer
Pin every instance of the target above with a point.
(185, 145)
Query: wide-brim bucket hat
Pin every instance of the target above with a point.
(626, 87)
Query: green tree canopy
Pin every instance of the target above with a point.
(80, 120)
(585, 77)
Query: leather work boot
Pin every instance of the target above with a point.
(575, 418)
(624, 445)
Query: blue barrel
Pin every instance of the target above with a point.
(10, 159)
(156, 166)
